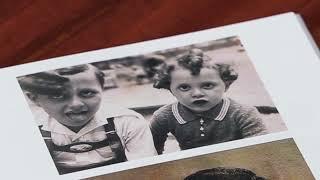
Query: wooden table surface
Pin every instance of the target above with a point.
(32, 30)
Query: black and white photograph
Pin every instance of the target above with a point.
(118, 110)
(277, 160)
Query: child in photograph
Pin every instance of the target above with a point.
(202, 114)
(222, 173)
(78, 132)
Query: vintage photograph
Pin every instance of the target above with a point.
(117, 110)
(278, 160)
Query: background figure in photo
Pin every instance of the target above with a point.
(223, 173)
(202, 115)
(79, 133)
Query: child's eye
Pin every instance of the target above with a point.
(184, 87)
(88, 93)
(208, 85)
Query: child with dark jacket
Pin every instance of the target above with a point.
(202, 115)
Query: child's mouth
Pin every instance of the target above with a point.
(75, 115)
(200, 102)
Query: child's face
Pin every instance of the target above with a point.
(199, 93)
(77, 103)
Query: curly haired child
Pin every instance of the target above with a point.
(202, 115)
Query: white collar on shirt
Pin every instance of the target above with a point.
(221, 112)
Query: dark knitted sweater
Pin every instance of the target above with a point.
(227, 121)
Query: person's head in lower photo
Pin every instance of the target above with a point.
(196, 80)
(71, 95)
(224, 173)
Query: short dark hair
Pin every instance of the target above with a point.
(194, 60)
(51, 82)
(223, 173)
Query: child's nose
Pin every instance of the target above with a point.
(196, 93)
(76, 104)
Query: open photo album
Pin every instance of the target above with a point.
(235, 102)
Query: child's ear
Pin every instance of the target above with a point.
(33, 97)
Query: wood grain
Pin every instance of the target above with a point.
(32, 30)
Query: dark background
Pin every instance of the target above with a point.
(32, 30)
